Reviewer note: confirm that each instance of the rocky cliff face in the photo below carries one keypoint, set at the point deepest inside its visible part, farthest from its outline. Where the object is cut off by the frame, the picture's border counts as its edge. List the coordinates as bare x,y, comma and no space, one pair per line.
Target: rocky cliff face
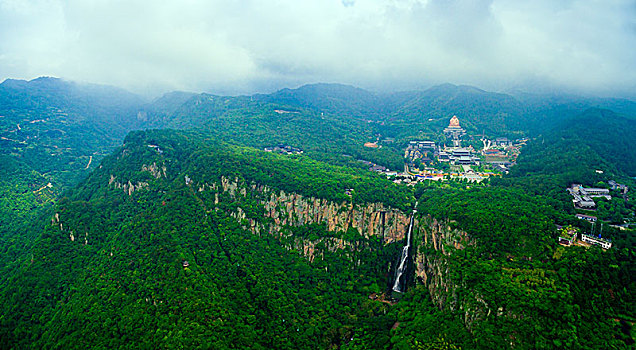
370,219
431,266
128,187
277,211
155,170
435,241
264,210
291,209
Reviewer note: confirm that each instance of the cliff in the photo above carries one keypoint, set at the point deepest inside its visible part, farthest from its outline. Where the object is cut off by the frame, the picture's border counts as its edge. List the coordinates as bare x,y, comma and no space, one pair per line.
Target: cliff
283,209
262,209
435,242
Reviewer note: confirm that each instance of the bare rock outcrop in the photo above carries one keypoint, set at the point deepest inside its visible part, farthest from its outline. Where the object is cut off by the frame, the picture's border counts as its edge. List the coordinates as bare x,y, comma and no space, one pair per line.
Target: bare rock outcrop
155,170
435,242
292,209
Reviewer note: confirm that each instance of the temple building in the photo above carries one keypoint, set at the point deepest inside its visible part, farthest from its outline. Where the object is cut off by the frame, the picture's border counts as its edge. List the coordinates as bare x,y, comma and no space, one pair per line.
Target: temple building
463,156
454,131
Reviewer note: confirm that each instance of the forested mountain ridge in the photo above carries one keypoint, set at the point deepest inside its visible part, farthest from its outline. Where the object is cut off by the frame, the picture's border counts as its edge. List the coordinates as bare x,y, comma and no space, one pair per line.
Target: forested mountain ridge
158,113
52,134
325,120
196,153
328,120
330,98
609,134
246,121
545,112
591,147
49,115
187,198
183,230
96,103
400,109
199,238
481,111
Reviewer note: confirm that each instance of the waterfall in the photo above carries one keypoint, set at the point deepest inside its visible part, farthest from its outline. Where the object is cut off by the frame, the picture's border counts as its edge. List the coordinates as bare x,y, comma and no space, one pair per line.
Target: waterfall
404,257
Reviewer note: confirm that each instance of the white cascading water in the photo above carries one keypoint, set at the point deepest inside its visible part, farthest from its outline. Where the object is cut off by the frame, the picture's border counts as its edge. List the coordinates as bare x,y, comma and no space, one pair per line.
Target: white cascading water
405,255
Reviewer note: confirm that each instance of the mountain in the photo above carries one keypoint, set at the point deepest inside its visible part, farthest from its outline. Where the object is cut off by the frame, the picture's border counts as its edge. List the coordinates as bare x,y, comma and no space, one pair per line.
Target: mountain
254,122
610,135
180,239
545,112
187,243
82,102
52,113
475,106
52,134
591,148
479,110
596,139
329,98
158,112
192,235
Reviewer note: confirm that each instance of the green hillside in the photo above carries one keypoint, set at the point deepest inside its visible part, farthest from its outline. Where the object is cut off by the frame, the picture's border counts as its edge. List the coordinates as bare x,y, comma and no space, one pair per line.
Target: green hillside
123,279
591,148
52,134
109,269
192,235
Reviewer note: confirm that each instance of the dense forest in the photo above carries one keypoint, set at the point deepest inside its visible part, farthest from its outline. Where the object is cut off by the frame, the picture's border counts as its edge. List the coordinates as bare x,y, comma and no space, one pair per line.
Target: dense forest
189,235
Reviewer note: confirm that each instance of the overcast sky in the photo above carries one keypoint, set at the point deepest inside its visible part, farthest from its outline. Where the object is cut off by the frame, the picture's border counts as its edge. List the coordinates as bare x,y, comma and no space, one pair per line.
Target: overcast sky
259,46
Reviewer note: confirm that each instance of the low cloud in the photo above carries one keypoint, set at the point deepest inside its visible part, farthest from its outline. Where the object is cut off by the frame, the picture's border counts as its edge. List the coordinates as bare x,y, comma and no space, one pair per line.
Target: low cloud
247,46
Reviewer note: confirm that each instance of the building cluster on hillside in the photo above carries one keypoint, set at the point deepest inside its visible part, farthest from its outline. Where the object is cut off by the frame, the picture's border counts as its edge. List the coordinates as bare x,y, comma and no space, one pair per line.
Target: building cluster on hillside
503,142
570,235
618,187
284,149
420,150
426,150
425,158
459,156
378,168
502,166
501,152
423,145
409,180
427,153
494,152
583,196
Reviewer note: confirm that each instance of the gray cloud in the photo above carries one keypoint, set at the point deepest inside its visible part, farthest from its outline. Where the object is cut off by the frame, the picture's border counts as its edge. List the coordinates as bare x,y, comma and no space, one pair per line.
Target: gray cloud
244,46
348,3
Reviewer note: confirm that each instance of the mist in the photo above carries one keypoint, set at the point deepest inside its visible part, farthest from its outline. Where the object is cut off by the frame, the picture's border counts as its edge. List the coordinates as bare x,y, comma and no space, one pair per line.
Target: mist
234,47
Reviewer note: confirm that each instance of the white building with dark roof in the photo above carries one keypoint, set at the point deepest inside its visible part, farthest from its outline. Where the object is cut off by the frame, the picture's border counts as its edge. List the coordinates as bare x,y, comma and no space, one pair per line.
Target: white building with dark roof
586,217
583,196
599,241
